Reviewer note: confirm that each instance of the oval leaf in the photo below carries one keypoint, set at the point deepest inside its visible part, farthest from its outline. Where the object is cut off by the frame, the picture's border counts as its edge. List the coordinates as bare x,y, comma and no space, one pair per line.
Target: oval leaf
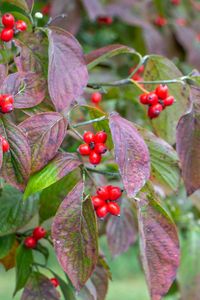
19,3
131,154
74,233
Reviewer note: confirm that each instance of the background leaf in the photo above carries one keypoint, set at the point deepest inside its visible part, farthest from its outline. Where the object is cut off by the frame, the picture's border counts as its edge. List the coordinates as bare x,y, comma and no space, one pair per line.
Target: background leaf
93,8
6,243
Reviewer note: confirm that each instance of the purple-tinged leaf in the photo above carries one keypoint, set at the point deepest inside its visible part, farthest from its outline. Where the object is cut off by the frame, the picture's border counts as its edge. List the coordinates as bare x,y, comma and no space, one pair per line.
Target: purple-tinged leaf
3,73
32,84
159,245
68,74
121,232
45,133
88,292
188,143
93,8
131,154
17,162
74,233
30,4
39,287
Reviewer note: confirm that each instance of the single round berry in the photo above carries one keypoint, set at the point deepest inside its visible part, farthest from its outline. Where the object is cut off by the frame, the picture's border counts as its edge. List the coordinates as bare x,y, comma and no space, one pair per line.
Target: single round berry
100,137
143,99
113,208
154,111
21,25
169,101
100,148
102,211
88,137
181,22
114,193
84,149
7,108
7,99
46,9
137,77
152,98
162,91
7,35
176,2
30,242
94,158
103,192
107,20
141,69
96,98
5,145
39,233
97,202
160,21
8,20
55,282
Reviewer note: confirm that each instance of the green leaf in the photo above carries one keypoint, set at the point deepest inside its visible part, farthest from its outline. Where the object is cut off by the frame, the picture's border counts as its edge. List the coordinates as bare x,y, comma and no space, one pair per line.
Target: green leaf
66,288
14,213
19,3
6,243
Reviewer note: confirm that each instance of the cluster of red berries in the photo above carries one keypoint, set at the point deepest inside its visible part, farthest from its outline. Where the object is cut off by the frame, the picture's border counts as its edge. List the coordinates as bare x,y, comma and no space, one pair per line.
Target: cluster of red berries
55,282
94,146
6,103
38,234
104,201
105,20
138,75
96,98
11,27
4,143
157,100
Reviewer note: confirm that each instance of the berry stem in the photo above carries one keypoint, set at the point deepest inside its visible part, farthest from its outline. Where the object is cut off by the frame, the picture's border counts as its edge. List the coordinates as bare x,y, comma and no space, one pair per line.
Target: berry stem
89,122
91,178
178,80
138,84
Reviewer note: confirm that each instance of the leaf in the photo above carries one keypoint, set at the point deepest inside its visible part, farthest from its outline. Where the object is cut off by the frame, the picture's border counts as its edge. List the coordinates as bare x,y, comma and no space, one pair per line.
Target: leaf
3,73
159,245
66,58
74,233
131,154
39,287
121,232
6,243
17,162
24,260
14,213
45,132
8,261
88,292
19,3
34,89
59,167
66,288
30,4
93,8
188,143
97,56
160,68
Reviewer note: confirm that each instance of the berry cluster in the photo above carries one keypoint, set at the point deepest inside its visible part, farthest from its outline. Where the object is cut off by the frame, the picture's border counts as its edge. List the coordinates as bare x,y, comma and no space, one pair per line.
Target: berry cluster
157,100
38,234
96,98
138,75
105,20
94,146
55,282
11,27
6,103
5,145
104,201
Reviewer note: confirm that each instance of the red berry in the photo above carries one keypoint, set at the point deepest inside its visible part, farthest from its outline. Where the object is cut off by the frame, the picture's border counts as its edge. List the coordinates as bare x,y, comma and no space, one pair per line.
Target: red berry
96,98
162,91
7,34
46,9
113,208
176,2
169,101
7,99
152,98
84,149
30,242
102,211
105,20
7,108
39,233
1,99
154,111
100,148
100,137
55,282
8,20
143,99
103,192
21,25
5,145
181,22
97,201
94,158
160,21
137,77
88,137
114,193
141,69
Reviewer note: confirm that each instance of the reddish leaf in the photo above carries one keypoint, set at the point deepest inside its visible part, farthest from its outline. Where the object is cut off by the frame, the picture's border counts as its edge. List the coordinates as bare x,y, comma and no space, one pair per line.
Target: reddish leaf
74,233
68,74
188,143
93,8
159,246
3,73
45,133
100,278
131,154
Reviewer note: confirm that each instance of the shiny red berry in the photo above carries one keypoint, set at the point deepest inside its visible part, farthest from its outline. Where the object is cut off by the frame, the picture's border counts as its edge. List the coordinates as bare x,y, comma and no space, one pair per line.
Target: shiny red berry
107,20
7,34
1,99
100,148
97,201
113,208
96,98
94,158
39,233
30,242
162,91
88,137
100,137
152,98
137,77
46,9
7,99
160,21
169,101
21,25
154,111
143,99
8,20
84,149
7,108
55,282
103,192
114,193
5,145
102,211
141,69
